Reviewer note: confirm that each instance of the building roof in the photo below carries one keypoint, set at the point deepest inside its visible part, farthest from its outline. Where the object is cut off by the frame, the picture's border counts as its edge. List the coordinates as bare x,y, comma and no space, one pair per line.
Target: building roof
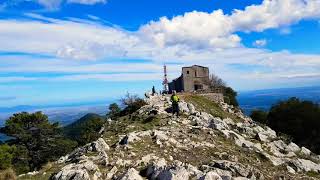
194,66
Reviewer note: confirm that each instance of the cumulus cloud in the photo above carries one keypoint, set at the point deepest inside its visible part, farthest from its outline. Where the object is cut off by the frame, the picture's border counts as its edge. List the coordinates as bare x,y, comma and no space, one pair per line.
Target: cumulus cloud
260,43
274,14
208,38
87,2
198,30
191,32
217,30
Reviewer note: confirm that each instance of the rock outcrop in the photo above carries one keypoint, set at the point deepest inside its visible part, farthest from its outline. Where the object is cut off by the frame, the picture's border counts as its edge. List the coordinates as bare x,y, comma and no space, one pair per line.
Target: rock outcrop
197,145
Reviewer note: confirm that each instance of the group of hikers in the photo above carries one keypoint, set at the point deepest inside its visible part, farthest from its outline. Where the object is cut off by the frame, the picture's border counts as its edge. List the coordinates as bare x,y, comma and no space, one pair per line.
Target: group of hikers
174,100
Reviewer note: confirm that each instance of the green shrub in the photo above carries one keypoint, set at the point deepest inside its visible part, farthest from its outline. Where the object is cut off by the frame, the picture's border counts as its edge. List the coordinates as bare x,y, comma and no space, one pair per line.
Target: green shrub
21,160
299,119
132,103
36,139
230,96
259,116
6,156
114,111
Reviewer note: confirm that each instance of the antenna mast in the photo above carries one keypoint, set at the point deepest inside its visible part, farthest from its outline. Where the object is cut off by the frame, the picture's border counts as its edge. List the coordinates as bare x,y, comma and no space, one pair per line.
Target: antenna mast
165,80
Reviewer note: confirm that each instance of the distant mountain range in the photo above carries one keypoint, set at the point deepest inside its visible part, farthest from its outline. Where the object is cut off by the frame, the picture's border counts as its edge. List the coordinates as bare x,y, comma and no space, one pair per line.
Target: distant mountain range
64,115
248,100
264,99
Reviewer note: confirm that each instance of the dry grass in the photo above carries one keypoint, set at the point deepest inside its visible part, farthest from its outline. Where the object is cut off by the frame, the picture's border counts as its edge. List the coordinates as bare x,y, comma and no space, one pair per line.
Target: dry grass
8,174
204,104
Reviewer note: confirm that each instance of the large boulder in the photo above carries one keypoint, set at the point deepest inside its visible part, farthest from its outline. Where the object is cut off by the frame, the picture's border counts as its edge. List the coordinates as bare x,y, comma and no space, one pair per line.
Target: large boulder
305,165
262,137
174,173
292,147
218,124
236,168
191,108
131,174
305,151
155,168
100,145
211,176
278,148
79,171
133,136
183,107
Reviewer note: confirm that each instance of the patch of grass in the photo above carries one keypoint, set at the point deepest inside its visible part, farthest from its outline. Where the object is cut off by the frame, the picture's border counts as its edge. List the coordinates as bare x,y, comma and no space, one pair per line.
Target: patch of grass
45,173
313,174
204,104
8,174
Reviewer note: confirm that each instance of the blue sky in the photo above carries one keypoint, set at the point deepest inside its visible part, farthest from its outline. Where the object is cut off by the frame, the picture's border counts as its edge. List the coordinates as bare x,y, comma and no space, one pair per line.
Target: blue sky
73,51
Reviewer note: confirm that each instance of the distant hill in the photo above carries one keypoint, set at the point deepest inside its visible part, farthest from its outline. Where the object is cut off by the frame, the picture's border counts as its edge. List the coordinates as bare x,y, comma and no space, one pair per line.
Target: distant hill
264,99
63,115
90,123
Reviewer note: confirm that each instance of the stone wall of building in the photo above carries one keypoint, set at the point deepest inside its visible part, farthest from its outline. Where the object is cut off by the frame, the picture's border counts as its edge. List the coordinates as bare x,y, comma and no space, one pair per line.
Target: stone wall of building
194,75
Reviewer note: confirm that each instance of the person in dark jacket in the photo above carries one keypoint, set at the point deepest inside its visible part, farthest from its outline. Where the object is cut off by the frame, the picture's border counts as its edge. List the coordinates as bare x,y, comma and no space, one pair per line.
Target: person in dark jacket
175,103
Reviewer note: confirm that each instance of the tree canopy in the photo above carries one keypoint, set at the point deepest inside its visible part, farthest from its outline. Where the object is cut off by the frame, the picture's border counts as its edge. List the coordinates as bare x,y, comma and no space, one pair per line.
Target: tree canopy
296,118
85,129
37,140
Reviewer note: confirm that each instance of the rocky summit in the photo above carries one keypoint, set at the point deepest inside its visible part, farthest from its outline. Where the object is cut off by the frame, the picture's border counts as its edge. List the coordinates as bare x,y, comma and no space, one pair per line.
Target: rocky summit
209,141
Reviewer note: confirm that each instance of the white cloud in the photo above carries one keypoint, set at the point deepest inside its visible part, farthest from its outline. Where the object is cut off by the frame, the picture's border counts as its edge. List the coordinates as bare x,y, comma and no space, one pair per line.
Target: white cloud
217,30
191,32
260,43
274,14
198,30
195,37
50,4
87,2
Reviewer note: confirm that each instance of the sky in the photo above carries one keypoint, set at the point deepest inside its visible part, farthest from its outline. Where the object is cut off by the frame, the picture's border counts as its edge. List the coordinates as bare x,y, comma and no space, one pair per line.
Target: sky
74,51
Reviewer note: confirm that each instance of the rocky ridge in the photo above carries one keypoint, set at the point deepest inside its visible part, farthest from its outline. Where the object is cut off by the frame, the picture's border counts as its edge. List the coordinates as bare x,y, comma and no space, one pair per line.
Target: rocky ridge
197,145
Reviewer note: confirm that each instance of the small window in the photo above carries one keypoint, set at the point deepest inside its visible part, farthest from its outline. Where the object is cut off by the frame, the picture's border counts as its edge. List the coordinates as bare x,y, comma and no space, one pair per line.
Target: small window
187,72
195,73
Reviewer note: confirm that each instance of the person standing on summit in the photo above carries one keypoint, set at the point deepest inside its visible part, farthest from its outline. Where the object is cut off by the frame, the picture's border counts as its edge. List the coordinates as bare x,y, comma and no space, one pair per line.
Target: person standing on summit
175,103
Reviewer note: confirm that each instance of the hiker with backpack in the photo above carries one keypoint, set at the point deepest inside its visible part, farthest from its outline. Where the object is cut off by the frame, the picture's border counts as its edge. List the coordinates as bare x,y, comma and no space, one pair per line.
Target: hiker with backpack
175,103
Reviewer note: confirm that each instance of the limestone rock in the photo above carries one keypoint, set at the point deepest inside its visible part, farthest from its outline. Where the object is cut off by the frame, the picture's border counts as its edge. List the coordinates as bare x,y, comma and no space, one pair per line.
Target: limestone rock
133,136
191,108
218,124
174,173
234,167
292,147
305,165
160,135
155,168
183,107
262,137
76,171
131,174
229,121
100,145
112,172
291,170
211,176
305,151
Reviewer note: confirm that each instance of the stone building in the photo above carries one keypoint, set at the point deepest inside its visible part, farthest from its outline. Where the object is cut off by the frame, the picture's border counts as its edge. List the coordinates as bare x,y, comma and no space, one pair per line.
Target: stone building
193,78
